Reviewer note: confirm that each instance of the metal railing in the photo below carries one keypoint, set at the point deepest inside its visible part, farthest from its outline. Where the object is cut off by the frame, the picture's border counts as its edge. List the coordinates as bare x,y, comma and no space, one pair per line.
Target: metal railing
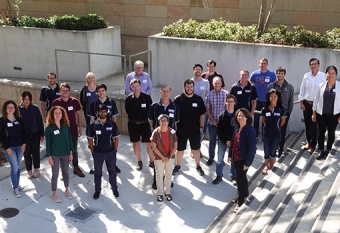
88,57
149,61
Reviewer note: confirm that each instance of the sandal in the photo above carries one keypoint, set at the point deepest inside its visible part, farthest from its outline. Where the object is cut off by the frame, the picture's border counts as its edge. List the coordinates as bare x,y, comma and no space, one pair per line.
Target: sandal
68,194
160,198
36,173
234,200
168,197
56,198
237,208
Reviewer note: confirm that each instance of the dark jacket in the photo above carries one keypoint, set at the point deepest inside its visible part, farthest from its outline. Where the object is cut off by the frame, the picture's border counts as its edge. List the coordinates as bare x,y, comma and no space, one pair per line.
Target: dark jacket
32,118
12,135
225,127
247,144
82,98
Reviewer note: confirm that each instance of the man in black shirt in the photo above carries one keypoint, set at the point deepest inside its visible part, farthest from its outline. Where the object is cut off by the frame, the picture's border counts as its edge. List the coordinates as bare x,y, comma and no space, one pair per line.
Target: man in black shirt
137,106
48,94
190,124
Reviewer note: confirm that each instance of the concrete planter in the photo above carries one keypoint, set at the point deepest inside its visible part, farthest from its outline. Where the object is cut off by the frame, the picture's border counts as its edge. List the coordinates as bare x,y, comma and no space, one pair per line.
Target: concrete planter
29,52
173,59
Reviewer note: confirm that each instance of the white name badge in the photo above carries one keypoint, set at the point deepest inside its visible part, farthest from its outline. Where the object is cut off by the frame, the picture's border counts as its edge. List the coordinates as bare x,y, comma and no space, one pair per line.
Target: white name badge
144,81
108,128
202,88
248,91
171,115
268,114
98,132
109,107
9,124
171,110
267,80
194,105
239,92
58,93
173,131
56,132
70,108
143,105
16,122
333,90
276,114
88,94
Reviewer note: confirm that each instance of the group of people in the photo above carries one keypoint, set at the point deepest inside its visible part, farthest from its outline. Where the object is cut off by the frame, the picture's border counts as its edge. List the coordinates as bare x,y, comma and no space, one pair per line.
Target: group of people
165,126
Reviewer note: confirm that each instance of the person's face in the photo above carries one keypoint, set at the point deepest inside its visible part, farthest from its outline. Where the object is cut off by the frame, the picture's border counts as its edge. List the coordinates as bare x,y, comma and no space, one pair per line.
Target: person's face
211,68
189,89
65,92
263,64
217,84
163,122
102,114
197,71
241,118
57,115
314,66
331,75
280,75
101,92
26,101
230,102
244,76
52,80
165,93
139,70
10,109
273,98
90,79
135,87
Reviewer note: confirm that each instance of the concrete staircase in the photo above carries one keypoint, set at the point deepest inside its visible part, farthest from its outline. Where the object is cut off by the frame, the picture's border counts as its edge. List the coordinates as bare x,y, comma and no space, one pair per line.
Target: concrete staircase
298,195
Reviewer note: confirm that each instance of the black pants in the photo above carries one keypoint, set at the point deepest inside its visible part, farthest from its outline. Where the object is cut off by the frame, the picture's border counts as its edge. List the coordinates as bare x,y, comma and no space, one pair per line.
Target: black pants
75,145
283,134
32,152
242,182
311,126
326,122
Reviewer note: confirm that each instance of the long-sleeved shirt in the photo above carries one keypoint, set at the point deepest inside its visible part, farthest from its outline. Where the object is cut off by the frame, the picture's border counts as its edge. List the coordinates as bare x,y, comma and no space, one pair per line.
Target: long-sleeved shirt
58,140
145,81
287,93
12,133
310,84
32,118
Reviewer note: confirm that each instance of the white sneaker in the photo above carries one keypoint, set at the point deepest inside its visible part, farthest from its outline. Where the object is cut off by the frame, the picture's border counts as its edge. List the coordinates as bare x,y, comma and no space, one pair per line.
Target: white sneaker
16,193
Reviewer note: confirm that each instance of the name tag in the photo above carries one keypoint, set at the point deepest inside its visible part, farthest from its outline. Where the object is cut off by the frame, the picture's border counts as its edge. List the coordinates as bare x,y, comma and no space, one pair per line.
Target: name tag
202,88
194,105
70,108
267,80
171,110
144,81
239,92
58,93
171,115
16,122
248,91
108,128
9,124
56,132
276,114
173,131
98,132
109,107
143,105
333,90
88,94
268,114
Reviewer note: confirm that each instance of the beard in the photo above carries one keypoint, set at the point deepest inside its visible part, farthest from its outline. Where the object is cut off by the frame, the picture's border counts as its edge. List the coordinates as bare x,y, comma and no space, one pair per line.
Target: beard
102,117
188,93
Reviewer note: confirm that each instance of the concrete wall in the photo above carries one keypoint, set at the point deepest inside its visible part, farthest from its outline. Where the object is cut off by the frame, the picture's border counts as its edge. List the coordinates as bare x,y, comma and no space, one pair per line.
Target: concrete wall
32,49
175,57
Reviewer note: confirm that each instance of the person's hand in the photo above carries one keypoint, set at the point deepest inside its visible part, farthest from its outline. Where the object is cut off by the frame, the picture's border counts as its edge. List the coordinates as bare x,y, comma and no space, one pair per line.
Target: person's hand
313,117
80,132
50,161
228,160
9,152
70,157
228,144
302,107
165,159
23,148
245,168
42,139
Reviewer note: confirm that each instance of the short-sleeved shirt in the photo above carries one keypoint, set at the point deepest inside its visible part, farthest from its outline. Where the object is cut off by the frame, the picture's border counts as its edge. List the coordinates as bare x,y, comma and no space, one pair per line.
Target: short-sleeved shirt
71,107
244,95
272,128
211,77
191,108
202,87
12,133
110,104
145,81
157,108
58,140
138,108
48,94
216,103
162,145
103,135
261,82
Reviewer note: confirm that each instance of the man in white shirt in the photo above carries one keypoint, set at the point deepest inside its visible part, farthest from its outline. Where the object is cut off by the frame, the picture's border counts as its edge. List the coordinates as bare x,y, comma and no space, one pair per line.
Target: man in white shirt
309,86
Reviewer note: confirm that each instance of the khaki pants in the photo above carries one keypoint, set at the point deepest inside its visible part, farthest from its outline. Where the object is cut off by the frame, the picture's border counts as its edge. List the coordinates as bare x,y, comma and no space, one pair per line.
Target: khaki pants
164,170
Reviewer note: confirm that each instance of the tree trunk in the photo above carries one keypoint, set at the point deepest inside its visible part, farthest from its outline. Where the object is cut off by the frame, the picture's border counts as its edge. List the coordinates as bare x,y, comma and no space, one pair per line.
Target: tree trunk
270,16
260,24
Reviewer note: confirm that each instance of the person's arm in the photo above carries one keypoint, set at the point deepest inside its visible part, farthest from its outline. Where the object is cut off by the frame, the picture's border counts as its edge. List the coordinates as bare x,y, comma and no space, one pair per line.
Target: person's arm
253,107
128,90
291,99
283,121
251,147
173,150
23,134
207,108
149,89
201,122
115,143
90,142
80,131
302,92
43,110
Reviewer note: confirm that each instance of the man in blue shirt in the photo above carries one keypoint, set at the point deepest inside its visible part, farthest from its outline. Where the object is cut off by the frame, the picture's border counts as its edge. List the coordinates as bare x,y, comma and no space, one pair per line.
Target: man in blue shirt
143,77
260,79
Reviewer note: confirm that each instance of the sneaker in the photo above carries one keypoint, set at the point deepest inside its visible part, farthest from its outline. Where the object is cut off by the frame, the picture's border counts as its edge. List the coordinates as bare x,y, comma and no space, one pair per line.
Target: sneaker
56,198
29,174
217,180
115,193
36,173
199,170
154,185
96,195
21,188
176,170
139,166
92,171
16,193
117,169
68,194
152,164
265,171
209,162
78,172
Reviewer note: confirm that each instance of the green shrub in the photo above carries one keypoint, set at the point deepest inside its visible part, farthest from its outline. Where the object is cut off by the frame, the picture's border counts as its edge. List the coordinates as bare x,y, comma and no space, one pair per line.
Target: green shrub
333,37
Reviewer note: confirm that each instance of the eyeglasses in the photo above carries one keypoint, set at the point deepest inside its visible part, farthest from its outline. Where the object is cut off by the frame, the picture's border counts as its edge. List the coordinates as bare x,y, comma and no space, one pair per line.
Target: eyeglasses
313,64
10,107
230,101
164,120
65,91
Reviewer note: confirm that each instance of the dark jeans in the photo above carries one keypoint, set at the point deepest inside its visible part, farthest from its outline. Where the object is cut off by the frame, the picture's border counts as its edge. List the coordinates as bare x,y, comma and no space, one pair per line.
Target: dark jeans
242,182
327,122
75,145
32,151
283,134
259,106
110,160
270,146
311,127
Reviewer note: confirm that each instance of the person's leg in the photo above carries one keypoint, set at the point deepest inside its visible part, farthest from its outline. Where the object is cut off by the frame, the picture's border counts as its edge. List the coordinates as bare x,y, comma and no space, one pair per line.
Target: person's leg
168,176
98,159
220,162
267,148
322,130
212,143
150,152
182,139
204,127
28,152
160,167
13,161
195,145
55,173
240,174
64,170
332,122
35,142
18,155
137,150
110,160
283,136
145,133
75,153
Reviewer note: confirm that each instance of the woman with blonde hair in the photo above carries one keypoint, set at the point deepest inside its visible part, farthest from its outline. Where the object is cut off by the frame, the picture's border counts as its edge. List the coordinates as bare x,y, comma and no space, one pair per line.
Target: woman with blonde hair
88,94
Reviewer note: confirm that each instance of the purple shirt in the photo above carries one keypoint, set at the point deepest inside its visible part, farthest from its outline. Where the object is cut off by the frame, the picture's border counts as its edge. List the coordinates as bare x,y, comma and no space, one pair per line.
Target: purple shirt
145,80
216,103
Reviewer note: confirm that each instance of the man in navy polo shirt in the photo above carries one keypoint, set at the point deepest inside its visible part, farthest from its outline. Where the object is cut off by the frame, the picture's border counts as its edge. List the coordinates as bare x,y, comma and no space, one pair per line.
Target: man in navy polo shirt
48,94
103,136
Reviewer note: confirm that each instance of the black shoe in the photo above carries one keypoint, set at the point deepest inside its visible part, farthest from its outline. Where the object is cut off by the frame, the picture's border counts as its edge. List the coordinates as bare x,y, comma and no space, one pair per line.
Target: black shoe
210,161
322,155
279,154
152,164
115,193
96,195
217,180
199,170
172,184
117,169
176,170
139,165
154,186
92,171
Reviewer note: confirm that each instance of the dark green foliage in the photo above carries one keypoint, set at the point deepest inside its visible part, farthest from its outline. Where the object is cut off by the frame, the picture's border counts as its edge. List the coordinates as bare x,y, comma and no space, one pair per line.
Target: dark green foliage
226,31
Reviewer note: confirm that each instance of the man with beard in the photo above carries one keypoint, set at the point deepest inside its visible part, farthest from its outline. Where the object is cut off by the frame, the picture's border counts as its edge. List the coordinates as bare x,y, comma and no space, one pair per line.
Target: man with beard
191,120
48,94
211,74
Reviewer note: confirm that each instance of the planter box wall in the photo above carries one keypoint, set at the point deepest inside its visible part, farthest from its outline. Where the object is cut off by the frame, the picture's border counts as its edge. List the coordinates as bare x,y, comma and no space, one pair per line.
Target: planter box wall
173,59
32,49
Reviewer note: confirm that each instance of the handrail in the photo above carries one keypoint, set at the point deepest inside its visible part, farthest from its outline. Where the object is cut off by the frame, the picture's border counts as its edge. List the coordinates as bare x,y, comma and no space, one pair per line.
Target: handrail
149,61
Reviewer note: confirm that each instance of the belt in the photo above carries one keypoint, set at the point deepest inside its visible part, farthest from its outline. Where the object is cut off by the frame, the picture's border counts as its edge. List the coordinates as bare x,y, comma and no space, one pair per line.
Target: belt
309,102
138,122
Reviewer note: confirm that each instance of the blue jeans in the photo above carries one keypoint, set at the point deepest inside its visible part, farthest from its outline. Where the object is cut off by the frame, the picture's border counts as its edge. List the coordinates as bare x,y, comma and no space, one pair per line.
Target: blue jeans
14,161
212,137
222,148
270,146
204,127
